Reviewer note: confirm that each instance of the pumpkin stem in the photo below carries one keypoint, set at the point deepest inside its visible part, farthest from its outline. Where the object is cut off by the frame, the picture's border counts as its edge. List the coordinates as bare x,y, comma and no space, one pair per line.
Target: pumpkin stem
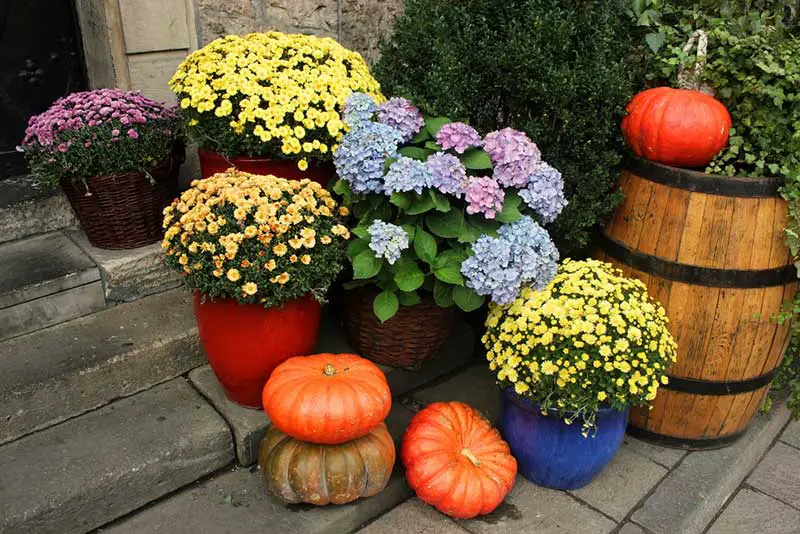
329,370
471,457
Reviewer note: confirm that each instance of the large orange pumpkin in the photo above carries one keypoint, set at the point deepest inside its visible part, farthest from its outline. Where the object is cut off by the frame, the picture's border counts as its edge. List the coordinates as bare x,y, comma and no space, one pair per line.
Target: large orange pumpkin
298,471
456,461
677,127
327,398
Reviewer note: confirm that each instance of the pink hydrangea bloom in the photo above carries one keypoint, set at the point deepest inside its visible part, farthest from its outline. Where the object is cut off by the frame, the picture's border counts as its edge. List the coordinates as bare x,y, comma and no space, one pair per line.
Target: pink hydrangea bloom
484,195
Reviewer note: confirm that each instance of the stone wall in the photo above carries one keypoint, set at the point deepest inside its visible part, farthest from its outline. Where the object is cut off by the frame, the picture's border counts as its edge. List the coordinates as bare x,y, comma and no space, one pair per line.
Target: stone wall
357,24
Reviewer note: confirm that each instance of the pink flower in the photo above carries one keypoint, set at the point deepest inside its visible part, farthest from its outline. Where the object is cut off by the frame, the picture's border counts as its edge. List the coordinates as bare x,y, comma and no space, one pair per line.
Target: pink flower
132,134
484,195
115,132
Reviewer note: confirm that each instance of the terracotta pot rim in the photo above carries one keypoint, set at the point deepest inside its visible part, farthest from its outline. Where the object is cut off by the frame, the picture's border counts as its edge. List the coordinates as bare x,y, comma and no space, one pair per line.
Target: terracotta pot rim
202,298
205,152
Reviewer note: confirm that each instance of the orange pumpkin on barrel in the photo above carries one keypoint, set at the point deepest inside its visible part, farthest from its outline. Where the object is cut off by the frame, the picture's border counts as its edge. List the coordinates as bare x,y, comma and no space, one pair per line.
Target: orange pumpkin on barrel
677,127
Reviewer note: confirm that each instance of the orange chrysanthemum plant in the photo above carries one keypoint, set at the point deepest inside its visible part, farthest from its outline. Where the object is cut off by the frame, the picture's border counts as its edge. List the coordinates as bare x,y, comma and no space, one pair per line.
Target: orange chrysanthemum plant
257,239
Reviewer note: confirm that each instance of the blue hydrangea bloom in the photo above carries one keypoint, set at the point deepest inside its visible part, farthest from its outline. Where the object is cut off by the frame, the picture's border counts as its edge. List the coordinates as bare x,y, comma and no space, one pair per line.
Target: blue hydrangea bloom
387,240
361,156
448,174
521,254
358,109
545,192
402,115
406,174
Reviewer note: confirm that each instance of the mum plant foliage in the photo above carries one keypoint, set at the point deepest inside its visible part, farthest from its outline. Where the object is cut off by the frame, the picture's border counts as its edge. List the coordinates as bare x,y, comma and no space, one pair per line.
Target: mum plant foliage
591,338
442,210
256,239
559,70
270,94
97,133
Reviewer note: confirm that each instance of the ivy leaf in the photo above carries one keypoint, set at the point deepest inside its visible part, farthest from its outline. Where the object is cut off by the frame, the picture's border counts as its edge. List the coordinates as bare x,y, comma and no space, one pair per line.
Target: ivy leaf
449,274
440,201
655,41
409,299
476,159
443,294
425,246
366,265
356,247
448,225
420,204
385,305
434,124
401,199
466,299
415,152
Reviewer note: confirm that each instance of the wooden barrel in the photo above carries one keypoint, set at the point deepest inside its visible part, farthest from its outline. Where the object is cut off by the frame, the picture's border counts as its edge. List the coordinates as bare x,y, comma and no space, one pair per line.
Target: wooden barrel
712,250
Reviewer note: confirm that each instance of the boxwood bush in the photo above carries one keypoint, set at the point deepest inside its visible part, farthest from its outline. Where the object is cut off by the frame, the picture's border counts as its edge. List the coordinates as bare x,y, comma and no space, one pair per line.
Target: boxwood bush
560,70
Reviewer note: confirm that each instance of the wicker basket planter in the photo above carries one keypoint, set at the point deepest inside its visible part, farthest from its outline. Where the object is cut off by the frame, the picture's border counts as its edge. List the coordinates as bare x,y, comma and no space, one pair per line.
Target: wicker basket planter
405,340
124,211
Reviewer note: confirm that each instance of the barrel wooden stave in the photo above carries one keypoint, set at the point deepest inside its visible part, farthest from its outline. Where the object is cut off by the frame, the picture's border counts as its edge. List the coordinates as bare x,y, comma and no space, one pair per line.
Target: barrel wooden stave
724,334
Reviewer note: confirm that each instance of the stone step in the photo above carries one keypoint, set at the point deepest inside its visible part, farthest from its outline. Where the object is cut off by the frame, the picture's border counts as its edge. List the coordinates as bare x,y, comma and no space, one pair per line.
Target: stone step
61,371
47,279
129,274
83,473
237,502
27,208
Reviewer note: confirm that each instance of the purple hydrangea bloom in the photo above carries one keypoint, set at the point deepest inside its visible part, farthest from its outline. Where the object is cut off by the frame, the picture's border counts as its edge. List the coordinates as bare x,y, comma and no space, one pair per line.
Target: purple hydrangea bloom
448,174
387,240
358,109
458,136
362,153
406,174
514,155
401,115
484,195
545,192
522,254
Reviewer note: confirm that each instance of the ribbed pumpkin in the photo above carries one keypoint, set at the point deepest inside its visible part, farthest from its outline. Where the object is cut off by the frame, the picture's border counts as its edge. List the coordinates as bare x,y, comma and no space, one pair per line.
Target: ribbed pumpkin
677,127
456,461
327,398
302,472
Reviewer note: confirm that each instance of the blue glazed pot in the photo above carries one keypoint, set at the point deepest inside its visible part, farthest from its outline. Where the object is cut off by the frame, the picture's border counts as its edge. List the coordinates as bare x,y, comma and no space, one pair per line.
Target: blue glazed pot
553,454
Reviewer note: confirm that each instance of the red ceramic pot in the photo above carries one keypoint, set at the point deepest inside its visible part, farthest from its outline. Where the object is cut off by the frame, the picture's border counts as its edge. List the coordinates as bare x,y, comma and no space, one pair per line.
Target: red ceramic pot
245,342
212,163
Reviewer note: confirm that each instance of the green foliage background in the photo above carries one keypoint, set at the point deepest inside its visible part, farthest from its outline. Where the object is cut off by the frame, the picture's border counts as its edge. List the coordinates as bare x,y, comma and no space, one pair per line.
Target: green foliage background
560,70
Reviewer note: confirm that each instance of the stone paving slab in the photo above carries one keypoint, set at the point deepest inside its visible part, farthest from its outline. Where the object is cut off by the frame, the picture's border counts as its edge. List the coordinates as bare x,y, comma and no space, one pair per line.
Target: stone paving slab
76,476
474,386
413,517
249,425
792,434
237,503
28,208
751,511
622,484
778,475
129,274
631,528
68,369
530,508
687,500
661,455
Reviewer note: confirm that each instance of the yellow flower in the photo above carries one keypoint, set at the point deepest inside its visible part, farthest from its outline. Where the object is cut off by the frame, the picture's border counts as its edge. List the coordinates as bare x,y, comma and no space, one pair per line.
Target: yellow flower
665,380
270,265
250,231
549,368
325,240
305,259
280,249
302,164
250,288
233,275
293,258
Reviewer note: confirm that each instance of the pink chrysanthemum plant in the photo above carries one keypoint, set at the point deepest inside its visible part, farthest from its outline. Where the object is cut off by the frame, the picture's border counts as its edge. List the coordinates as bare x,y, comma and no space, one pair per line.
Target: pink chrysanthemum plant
97,133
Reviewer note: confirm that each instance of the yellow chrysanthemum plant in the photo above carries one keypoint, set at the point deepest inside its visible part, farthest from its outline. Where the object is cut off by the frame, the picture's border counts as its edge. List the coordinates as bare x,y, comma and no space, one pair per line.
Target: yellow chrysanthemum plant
256,239
591,339
270,94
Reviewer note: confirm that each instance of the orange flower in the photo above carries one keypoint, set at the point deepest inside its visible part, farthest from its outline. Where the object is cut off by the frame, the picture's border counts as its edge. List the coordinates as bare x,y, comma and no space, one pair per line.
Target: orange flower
293,258
306,259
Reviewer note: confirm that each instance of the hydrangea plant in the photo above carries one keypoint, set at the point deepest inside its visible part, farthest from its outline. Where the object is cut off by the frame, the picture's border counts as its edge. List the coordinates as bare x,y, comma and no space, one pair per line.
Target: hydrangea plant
441,210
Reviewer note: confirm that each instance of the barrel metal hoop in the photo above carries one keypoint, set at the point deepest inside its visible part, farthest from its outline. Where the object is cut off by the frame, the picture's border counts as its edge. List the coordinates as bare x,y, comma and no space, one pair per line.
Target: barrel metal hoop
695,275
692,444
713,184
712,387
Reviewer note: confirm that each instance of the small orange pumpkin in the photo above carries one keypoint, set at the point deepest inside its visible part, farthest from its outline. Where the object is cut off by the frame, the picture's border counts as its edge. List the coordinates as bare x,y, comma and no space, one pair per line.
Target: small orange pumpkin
296,471
327,398
456,461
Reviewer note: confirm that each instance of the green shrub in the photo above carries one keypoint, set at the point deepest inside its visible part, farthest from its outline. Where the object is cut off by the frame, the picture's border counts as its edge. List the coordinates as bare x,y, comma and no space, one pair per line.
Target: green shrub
559,70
